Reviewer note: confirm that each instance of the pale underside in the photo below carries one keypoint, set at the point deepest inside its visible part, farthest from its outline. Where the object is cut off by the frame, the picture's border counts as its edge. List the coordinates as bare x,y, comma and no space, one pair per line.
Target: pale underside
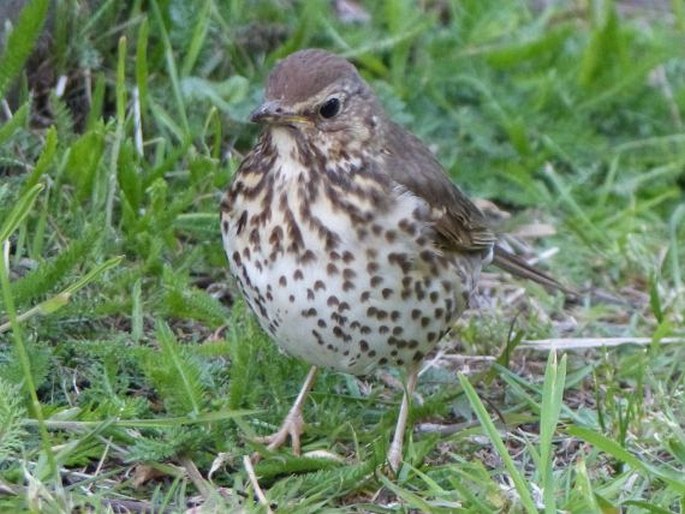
382,295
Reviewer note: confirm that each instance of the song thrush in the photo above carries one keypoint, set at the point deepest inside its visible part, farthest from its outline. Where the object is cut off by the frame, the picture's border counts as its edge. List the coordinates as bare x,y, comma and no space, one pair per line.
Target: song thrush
345,235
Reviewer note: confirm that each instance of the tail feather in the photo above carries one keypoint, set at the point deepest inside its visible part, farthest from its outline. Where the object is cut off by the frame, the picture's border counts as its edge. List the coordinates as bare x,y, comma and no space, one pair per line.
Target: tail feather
515,265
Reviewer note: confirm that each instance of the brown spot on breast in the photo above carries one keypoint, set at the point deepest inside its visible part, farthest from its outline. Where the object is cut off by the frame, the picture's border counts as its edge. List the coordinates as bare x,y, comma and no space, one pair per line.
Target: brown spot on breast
226,203
340,320
298,275
372,267
347,285
341,334
375,281
254,237
241,223
276,236
332,301
319,285
407,226
386,292
332,240
318,337
349,274
332,269
307,256
427,256
282,281
308,313
401,260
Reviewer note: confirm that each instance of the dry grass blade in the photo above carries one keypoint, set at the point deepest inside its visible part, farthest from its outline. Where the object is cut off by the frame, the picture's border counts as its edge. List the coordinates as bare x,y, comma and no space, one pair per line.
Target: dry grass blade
583,343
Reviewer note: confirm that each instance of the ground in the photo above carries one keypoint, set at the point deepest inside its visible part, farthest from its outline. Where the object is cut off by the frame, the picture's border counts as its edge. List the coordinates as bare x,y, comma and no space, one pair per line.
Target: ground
133,377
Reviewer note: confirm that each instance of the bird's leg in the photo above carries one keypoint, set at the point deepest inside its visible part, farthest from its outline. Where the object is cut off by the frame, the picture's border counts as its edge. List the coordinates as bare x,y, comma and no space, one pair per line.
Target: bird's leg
395,452
293,424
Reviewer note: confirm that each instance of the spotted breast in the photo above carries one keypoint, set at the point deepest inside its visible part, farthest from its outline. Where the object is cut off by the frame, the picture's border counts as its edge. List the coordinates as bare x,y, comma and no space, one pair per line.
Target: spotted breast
338,262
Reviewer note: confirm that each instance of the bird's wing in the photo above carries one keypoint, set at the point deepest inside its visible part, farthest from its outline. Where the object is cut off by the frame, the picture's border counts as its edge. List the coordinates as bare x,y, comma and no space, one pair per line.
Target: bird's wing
460,225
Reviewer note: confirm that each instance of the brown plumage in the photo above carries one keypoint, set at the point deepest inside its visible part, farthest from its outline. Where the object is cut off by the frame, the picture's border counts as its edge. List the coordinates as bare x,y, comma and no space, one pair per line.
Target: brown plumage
348,240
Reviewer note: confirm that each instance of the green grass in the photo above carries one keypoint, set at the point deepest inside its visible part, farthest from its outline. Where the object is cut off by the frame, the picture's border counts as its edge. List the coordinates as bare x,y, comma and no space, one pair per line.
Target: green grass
130,370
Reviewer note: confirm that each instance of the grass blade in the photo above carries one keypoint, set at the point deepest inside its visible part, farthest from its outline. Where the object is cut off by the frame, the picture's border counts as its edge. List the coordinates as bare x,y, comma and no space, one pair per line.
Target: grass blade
552,394
21,40
493,434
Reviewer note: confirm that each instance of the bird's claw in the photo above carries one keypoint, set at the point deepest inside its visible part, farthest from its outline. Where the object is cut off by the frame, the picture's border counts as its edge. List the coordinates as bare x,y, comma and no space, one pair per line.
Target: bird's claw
292,427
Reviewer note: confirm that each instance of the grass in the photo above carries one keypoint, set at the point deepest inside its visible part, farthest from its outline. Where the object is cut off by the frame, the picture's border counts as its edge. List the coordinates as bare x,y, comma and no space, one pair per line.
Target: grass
131,374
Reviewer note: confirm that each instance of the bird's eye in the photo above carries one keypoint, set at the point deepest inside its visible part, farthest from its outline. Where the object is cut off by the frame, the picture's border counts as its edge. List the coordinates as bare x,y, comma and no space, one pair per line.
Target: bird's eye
329,108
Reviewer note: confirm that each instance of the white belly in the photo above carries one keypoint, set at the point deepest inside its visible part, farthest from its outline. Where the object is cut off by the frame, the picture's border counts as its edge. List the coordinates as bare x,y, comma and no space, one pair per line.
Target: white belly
366,303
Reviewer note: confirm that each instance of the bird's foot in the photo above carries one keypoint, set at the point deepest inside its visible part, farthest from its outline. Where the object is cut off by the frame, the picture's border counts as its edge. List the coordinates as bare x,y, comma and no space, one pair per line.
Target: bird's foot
292,427
293,424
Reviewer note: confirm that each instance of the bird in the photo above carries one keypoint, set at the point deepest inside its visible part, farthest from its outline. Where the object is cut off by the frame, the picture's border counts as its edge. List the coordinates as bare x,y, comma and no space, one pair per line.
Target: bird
345,235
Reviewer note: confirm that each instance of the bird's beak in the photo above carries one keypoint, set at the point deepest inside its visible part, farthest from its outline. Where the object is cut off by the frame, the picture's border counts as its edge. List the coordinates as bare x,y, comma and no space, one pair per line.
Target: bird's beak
273,111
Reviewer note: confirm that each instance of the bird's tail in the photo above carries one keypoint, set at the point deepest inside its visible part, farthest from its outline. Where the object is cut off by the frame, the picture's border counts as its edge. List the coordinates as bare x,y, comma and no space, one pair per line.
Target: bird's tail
515,265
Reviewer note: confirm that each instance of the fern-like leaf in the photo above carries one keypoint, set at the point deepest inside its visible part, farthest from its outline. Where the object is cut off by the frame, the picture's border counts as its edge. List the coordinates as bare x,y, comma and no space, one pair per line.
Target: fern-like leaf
175,373
12,433
51,273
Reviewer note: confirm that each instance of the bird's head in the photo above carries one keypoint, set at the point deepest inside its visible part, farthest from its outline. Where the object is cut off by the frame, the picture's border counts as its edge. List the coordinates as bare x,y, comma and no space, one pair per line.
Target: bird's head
319,93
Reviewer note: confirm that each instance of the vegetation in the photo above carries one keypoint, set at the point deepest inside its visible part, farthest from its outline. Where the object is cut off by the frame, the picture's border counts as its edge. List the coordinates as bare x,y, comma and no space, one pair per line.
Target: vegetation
132,376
